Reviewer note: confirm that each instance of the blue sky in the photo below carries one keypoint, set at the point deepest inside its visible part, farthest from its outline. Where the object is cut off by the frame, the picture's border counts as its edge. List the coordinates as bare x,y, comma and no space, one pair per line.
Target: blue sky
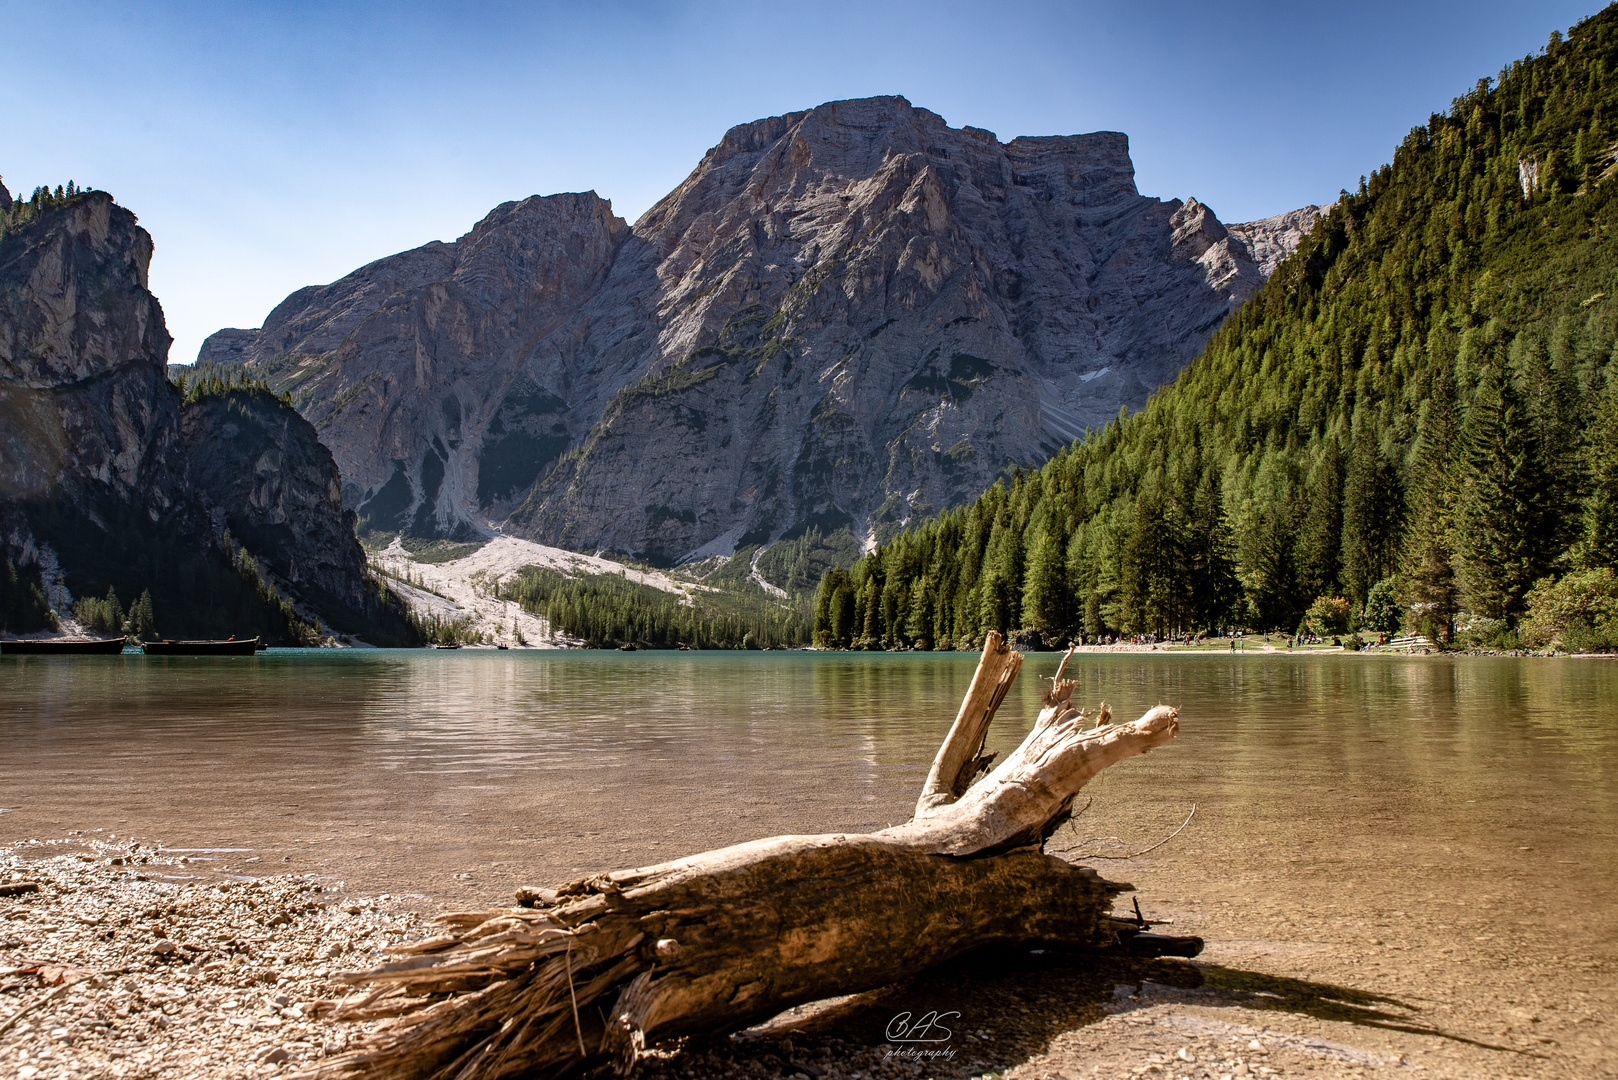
274,145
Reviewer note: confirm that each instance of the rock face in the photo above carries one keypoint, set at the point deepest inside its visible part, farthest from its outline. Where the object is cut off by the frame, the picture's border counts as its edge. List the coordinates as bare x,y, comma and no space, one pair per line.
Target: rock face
105,465
84,402
226,346
416,369
263,473
1272,239
843,317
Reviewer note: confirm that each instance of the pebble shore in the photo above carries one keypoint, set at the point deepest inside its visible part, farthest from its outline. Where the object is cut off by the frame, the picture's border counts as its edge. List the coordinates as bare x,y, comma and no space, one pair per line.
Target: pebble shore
121,959
116,960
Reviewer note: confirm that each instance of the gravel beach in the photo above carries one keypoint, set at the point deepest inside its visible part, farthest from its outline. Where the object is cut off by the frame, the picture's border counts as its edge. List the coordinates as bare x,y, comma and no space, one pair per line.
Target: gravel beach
120,959
117,961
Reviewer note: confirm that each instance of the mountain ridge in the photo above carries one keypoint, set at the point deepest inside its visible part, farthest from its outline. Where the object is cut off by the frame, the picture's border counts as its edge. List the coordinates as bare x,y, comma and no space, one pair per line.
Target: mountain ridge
843,317
1413,425
220,501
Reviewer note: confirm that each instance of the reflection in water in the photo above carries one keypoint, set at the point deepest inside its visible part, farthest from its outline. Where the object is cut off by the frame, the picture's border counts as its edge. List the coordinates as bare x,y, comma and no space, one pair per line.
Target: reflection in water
1433,823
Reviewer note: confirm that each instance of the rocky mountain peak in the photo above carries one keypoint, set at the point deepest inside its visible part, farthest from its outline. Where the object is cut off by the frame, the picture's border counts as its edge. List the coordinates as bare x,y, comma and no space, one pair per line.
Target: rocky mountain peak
82,352
843,316
110,474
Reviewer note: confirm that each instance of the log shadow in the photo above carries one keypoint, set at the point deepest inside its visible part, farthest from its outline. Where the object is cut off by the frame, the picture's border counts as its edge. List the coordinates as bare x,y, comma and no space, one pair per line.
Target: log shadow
996,1008
988,1011
1328,1001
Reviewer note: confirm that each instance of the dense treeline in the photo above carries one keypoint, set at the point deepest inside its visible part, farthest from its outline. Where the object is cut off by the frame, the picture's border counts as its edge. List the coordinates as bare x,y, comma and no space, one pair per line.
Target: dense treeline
1419,404
194,593
205,379
23,607
606,610
107,616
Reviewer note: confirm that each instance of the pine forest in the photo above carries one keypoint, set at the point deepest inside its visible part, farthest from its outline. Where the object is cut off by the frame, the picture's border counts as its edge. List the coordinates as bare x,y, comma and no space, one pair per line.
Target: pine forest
1412,427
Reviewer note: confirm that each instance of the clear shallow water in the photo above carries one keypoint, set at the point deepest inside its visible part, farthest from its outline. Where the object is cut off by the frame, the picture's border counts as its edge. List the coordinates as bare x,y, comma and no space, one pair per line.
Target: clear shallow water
1444,827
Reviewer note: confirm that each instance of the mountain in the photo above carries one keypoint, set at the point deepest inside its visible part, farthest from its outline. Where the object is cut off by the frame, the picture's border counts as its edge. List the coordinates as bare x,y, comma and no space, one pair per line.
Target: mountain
219,501
1413,424
842,319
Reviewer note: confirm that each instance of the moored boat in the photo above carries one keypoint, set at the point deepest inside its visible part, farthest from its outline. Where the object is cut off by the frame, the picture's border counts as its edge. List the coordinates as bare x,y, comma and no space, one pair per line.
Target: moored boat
228,647
64,646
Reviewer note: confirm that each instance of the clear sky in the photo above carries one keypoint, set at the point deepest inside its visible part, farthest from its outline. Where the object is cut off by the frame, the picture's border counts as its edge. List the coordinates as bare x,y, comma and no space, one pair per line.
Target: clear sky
268,146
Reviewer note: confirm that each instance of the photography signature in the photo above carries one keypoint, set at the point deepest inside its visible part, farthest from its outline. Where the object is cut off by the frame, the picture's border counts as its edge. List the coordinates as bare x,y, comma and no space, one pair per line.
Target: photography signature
928,1028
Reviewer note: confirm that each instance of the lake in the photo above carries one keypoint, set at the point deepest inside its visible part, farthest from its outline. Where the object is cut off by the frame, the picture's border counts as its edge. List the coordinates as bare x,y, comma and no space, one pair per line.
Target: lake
1438,828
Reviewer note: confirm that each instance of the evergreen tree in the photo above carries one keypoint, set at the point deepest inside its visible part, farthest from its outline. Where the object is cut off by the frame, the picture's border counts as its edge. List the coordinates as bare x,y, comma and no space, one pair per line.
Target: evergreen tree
919,624
1506,536
1320,538
1373,507
1598,546
1047,608
1209,559
142,622
1153,573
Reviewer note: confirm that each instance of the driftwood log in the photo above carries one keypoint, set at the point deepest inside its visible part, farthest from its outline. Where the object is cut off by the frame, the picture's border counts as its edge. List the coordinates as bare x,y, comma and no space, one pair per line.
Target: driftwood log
590,972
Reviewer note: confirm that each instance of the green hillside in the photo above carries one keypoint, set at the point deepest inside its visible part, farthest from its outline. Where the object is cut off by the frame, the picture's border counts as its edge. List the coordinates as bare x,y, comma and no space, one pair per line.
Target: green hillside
1417,409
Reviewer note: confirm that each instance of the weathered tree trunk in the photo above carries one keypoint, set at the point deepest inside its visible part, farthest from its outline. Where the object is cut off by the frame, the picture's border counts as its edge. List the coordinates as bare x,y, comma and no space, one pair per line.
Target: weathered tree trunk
715,941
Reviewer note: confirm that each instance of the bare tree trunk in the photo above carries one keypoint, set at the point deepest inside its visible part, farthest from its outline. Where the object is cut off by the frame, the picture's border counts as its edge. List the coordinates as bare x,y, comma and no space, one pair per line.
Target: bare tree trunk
718,940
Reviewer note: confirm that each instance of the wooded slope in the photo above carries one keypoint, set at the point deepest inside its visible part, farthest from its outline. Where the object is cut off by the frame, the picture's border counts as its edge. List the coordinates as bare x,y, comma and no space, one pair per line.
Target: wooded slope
1416,410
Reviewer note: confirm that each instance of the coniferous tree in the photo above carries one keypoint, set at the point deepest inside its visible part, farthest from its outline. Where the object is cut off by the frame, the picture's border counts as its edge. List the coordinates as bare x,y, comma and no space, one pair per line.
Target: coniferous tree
1506,537
1152,568
1320,538
1598,546
1384,340
1209,560
1372,527
920,620
1047,609
142,620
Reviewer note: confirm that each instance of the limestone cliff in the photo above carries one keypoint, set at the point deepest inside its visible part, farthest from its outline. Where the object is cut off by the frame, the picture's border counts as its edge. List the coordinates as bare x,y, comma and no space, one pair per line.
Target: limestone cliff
111,478
262,472
1272,239
843,316
84,403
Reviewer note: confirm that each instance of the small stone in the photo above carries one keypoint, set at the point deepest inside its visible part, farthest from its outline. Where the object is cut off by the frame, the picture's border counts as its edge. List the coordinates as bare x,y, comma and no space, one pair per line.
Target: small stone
275,1055
163,947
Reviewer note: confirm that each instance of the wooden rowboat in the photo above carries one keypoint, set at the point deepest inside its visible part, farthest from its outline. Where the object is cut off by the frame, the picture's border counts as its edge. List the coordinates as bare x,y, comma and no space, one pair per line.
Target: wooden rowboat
64,646
228,647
